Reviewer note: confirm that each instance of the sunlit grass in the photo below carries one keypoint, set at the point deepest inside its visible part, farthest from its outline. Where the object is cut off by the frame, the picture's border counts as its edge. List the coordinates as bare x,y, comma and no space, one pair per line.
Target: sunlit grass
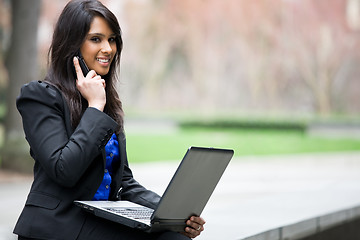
172,145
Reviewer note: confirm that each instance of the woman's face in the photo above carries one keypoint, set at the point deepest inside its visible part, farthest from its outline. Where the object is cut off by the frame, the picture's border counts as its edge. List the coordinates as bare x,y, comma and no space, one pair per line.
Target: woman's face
99,46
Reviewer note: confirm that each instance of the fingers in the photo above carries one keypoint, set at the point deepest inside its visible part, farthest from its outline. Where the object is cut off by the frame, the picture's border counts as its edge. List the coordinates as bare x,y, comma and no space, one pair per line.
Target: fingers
91,75
79,73
91,80
195,226
91,87
195,222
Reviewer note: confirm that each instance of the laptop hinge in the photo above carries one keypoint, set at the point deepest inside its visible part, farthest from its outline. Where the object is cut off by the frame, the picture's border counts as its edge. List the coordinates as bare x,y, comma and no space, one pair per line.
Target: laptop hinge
176,225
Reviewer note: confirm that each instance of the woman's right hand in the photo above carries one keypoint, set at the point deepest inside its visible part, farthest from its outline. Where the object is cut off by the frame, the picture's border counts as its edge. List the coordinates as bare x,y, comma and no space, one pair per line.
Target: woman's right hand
91,87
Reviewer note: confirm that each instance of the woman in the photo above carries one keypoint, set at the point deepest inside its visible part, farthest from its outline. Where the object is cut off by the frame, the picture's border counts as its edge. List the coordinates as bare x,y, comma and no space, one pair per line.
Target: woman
74,126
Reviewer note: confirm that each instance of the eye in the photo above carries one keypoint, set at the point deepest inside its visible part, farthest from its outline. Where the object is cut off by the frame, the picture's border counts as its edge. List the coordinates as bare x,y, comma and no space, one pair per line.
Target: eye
112,39
95,39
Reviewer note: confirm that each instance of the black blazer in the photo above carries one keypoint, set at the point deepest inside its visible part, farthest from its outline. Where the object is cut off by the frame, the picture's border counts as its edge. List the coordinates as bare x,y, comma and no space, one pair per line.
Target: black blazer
69,164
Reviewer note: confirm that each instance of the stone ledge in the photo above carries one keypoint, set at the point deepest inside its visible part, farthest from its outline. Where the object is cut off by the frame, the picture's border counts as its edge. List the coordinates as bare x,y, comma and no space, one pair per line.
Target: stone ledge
309,227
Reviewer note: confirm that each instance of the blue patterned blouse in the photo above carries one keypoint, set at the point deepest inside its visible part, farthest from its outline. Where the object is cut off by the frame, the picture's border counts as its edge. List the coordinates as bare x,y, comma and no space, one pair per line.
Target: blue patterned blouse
112,156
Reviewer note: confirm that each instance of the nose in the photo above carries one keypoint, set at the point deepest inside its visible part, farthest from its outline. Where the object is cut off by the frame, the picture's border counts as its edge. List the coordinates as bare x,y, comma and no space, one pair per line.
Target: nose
106,47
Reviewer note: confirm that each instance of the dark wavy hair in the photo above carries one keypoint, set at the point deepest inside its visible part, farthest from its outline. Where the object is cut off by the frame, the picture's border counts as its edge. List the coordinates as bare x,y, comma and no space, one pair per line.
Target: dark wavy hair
69,34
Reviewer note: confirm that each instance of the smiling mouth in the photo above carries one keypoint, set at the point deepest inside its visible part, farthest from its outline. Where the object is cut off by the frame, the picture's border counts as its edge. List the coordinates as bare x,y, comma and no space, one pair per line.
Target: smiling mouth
103,60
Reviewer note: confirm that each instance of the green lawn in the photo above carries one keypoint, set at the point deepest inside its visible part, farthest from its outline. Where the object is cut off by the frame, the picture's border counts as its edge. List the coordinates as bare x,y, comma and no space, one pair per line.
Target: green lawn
172,146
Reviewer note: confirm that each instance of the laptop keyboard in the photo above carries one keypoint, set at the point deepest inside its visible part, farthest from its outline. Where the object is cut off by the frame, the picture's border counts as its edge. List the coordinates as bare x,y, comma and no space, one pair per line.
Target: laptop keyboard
135,213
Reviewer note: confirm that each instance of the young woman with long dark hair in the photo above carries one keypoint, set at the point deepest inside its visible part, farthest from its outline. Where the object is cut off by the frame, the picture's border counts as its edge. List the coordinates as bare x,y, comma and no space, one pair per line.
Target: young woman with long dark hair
74,126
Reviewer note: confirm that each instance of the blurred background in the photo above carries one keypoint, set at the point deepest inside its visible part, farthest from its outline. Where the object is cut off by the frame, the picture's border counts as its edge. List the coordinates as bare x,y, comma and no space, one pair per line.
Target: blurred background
263,77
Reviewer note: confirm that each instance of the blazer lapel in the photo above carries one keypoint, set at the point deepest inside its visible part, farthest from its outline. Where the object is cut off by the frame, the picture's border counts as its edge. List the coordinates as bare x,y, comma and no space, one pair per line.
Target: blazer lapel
117,178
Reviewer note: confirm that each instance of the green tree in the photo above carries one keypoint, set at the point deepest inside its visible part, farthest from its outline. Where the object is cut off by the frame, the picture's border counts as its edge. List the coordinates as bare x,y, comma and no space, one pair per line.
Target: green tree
21,64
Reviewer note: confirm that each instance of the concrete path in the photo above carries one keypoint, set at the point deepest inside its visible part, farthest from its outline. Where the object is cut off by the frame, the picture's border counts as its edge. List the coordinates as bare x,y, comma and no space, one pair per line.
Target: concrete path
255,194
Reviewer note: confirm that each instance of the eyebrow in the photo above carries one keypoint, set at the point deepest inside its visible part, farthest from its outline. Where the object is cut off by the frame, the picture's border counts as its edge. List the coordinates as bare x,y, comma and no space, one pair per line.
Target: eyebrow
101,34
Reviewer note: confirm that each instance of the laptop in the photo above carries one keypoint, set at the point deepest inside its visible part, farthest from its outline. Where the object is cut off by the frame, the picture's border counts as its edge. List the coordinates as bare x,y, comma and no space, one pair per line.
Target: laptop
186,195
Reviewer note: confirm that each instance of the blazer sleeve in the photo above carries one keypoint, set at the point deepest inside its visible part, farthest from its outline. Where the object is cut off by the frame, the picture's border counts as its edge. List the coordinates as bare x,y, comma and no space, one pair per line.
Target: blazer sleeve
64,158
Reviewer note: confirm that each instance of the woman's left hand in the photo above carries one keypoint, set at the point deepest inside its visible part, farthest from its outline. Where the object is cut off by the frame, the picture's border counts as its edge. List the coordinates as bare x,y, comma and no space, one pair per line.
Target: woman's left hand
195,225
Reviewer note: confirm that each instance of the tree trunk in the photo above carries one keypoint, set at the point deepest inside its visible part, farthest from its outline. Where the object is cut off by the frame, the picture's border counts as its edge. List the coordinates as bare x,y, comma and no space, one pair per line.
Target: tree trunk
21,63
